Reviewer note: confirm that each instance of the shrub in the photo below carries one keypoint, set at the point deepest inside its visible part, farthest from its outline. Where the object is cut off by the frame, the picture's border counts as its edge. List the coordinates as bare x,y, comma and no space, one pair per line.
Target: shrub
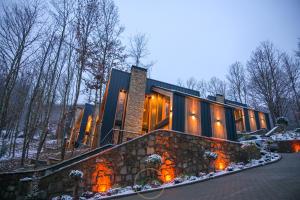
283,121
248,152
210,155
154,159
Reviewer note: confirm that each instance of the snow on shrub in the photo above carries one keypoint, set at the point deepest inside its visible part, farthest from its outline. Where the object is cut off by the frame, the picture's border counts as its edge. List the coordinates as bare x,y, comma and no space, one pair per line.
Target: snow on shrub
137,188
154,159
63,197
248,152
178,180
210,155
77,174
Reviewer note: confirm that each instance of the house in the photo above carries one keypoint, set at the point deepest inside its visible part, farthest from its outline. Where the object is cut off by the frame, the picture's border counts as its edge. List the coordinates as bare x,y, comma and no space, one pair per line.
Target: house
135,105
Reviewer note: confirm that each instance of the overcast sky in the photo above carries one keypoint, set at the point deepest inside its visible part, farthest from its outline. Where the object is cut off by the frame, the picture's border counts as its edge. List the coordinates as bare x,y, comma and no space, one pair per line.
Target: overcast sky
202,38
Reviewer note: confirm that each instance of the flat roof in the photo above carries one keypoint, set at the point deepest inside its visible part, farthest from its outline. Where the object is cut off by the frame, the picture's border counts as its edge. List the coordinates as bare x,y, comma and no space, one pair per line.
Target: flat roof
206,100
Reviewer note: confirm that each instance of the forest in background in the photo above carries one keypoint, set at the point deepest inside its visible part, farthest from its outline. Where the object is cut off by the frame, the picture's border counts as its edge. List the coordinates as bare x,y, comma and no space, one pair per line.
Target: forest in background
52,53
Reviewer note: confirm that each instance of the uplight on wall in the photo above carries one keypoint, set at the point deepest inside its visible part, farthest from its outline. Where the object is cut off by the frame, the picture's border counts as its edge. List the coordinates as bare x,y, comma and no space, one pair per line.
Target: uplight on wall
193,115
218,122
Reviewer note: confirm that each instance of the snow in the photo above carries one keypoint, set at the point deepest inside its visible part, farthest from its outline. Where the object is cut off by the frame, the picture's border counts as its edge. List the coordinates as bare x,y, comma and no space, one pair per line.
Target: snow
289,135
76,174
210,155
26,179
154,159
63,197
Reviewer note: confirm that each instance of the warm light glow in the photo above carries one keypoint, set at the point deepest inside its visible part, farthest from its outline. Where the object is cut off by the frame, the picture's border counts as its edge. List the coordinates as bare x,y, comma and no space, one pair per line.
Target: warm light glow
218,123
167,169
102,178
220,166
89,124
168,178
296,147
221,162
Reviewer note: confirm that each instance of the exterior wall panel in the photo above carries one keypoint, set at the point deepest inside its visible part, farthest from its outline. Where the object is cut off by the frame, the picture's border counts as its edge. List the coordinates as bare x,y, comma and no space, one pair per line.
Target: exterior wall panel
230,123
205,119
247,122
267,117
257,120
178,112
118,80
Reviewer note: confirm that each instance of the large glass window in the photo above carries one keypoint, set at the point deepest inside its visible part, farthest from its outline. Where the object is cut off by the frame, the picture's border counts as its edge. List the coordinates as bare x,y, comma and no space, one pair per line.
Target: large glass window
156,112
218,121
239,120
252,120
262,120
192,113
120,111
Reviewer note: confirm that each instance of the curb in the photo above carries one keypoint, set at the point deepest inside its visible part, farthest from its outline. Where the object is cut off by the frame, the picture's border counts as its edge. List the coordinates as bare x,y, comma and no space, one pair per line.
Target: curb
194,182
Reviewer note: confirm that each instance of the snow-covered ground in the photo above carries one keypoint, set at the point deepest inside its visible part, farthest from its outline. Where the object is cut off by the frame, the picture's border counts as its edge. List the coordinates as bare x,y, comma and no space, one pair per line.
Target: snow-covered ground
289,135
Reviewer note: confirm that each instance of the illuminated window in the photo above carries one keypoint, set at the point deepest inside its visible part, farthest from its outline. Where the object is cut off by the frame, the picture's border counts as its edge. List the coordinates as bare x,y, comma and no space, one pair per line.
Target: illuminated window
192,115
120,111
156,112
252,120
239,120
218,121
262,120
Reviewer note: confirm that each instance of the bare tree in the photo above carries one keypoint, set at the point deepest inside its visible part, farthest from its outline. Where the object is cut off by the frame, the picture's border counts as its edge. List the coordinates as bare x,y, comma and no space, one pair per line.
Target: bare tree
216,86
191,83
180,83
267,79
19,32
298,51
291,68
138,50
237,82
17,37
202,88
85,17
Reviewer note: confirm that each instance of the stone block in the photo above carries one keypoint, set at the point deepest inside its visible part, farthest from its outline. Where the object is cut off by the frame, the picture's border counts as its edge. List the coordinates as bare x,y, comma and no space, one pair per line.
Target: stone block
123,170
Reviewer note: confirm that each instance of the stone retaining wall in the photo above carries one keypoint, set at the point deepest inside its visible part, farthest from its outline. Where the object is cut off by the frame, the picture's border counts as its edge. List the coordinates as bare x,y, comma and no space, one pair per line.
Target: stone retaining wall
288,146
121,164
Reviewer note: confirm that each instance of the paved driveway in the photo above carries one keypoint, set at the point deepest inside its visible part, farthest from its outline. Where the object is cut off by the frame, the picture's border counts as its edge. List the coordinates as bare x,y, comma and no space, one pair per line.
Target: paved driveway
280,181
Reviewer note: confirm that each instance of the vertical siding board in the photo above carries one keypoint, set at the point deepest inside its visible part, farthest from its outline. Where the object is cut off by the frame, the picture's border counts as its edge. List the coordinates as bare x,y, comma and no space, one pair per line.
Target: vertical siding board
247,122
257,120
230,123
178,118
119,80
267,117
206,129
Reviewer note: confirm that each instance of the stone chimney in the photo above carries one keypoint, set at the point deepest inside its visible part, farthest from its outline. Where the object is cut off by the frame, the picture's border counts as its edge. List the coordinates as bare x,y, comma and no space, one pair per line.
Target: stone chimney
220,98
135,102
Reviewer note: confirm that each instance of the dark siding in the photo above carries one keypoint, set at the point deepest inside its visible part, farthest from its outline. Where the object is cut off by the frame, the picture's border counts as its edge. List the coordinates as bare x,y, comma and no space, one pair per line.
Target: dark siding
247,122
151,83
178,112
257,120
230,123
268,121
118,80
205,119
88,110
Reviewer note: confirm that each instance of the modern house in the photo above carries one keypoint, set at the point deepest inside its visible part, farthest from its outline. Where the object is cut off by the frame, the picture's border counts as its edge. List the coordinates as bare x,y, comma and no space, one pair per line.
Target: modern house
136,105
